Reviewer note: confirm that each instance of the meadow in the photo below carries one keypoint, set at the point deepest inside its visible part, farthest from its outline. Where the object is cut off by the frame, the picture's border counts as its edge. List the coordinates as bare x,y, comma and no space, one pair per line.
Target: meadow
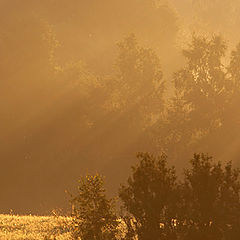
14,227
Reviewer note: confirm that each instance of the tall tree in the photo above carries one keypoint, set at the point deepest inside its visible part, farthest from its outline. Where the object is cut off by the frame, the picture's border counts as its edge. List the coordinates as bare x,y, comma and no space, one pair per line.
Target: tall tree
211,194
138,86
150,196
201,97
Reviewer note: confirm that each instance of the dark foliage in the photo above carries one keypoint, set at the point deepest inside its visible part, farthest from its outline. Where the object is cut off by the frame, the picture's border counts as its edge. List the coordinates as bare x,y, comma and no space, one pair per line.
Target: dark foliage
205,205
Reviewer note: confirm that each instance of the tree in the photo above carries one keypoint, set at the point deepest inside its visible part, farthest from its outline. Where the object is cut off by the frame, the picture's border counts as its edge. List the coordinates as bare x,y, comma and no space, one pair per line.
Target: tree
202,84
93,214
137,89
150,196
196,111
211,200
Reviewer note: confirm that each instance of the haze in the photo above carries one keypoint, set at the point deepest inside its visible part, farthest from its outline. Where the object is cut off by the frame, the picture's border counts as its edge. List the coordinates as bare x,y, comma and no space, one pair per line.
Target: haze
86,84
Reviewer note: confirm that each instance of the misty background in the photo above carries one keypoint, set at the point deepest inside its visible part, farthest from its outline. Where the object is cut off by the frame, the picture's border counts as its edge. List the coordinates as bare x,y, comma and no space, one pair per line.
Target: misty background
86,84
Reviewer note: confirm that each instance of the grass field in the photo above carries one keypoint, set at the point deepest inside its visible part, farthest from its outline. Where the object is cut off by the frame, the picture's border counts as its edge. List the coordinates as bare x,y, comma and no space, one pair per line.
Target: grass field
15,227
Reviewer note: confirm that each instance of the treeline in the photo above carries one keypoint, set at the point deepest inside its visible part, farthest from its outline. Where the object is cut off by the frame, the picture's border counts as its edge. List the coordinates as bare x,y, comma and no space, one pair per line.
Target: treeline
110,117
156,204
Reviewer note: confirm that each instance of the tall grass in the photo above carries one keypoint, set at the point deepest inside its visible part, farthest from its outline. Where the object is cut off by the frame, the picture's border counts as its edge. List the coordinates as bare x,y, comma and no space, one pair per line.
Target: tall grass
15,227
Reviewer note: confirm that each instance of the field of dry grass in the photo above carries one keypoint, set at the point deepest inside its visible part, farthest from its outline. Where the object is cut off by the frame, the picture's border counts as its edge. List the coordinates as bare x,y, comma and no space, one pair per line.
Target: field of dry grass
13,227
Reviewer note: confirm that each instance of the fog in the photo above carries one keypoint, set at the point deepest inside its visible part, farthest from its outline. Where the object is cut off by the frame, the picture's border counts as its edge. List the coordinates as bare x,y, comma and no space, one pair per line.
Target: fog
86,84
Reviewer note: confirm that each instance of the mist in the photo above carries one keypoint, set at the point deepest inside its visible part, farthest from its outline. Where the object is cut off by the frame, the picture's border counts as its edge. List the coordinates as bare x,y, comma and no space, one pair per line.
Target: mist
85,85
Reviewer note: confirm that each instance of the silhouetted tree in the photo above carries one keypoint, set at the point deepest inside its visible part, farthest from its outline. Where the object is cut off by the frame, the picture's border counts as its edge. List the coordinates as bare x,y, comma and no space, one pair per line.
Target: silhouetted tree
150,196
210,199
205,205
